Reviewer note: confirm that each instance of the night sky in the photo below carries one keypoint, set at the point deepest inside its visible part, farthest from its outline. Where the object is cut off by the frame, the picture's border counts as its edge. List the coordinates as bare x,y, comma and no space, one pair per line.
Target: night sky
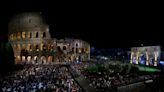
104,26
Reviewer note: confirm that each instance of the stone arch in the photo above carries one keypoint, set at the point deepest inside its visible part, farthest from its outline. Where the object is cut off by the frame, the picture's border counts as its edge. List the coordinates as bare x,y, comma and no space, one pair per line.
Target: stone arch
29,35
76,45
35,59
15,36
23,47
44,47
37,47
29,58
50,59
23,52
18,58
69,59
23,35
51,47
72,49
37,35
23,58
19,35
76,50
43,59
80,58
44,34
30,47
64,48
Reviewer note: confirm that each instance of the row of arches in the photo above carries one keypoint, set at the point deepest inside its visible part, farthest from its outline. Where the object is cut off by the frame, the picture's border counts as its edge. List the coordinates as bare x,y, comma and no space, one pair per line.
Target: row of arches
24,35
47,59
74,50
35,59
61,48
79,50
44,47
36,47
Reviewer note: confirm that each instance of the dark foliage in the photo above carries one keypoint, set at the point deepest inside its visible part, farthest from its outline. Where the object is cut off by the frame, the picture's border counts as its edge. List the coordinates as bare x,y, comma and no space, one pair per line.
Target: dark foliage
6,57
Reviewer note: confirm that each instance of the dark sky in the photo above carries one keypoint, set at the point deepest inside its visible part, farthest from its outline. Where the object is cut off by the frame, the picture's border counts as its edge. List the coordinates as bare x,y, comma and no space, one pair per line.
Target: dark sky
103,25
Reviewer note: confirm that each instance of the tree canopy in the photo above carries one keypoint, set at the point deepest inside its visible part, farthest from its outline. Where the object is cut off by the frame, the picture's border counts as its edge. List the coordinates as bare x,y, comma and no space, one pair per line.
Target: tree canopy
6,57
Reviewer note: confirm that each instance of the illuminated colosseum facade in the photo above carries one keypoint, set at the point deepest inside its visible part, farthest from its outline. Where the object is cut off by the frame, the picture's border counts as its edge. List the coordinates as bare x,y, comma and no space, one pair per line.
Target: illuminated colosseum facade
32,43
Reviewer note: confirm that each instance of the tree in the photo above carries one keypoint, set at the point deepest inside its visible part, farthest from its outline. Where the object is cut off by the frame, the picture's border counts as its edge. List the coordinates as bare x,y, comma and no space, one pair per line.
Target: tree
7,59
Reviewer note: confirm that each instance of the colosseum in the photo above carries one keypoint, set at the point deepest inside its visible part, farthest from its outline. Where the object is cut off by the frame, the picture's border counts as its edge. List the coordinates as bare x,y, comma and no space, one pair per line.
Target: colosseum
32,43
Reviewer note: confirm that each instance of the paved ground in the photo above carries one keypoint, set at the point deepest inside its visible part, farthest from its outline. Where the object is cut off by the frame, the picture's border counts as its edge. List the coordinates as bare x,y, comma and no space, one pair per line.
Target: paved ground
85,84
82,81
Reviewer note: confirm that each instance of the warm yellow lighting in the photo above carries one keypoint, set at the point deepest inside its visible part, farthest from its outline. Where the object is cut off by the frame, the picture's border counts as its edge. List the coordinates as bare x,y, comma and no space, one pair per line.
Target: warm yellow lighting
36,47
52,47
29,58
41,35
18,58
14,36
23,58
23,46
35,58
77,58
11,37
29,35
87,52
41,46
50,59
48,47
14,47
18,47
23,35
28,47
37,50
44,47
19,35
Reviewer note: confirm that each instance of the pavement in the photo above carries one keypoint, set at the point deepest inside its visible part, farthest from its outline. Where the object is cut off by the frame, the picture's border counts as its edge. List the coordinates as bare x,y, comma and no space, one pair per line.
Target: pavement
84,83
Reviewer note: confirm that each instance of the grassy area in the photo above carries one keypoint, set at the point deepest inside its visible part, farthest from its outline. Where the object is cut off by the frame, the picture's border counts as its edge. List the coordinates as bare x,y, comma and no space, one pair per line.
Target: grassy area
147,69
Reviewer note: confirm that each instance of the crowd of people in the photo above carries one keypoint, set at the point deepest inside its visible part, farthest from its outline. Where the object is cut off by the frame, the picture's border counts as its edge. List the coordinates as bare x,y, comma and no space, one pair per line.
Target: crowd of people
59,78
40,78
109,79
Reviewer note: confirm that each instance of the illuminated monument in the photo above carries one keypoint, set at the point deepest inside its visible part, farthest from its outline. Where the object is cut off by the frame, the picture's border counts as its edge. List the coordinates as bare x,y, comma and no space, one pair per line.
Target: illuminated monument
149,55
32,42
